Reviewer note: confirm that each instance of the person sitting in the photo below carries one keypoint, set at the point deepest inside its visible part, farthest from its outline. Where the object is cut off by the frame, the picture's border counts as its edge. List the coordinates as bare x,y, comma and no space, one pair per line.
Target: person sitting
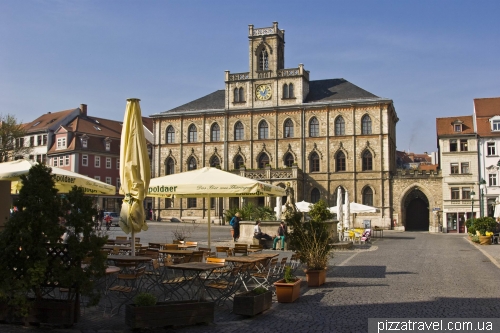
282,230
257,233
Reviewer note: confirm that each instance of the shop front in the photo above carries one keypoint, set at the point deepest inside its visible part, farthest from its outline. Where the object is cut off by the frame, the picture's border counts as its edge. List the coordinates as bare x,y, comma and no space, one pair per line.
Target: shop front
455,221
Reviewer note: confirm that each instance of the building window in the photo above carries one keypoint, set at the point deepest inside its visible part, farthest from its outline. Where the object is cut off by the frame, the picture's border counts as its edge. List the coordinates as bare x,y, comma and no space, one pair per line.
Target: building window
108,180
492,179
339,126
169,167
118,183
54,161
212,203
238,161
455,193
366,125
170,134
32,141
453,145
236,95
458,128
368,196
465,167
263,130
85,160
290,91
66,160
263,160
168,203
288,130
215,133
285,90
367,161
465,192
315,195
495,125
340,161
192,164
492,149
97,178
191,202
289,160
39,140
97,162
44,139
454,168
108,162
242,94
238,131
314,162
192,133
84,143
61,143
463,145
314,127
108,145
61,161
44,158
214,162
118,163
263,60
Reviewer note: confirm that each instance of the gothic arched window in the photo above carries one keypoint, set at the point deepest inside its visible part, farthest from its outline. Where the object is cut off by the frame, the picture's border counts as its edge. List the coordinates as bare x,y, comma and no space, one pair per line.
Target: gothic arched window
366,125
290,91
242,95
238,161
285,90
238,131
288,129
263,130
263,160
192,164
192,133
289,160
315,195
314,162
170,135
367,161
340,161
314,127
339,126
169,166
236,95
215,133
214,162
263,60
368,196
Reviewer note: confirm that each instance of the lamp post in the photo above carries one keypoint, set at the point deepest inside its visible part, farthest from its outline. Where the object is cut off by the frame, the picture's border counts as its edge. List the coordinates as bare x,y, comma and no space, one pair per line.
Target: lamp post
482,186
472,194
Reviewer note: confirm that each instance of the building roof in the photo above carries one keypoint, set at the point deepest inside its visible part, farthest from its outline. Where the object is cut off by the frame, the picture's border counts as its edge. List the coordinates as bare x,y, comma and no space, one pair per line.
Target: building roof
487,107
319,91
444,126
45,121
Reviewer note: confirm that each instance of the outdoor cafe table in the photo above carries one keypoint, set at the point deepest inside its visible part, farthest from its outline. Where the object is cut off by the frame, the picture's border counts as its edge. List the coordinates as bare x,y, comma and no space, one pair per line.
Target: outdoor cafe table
128,259
245,260
192,272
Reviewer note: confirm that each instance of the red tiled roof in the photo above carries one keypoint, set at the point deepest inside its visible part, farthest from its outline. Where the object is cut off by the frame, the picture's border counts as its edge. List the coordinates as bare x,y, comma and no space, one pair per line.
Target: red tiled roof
43,122
487,107
444,126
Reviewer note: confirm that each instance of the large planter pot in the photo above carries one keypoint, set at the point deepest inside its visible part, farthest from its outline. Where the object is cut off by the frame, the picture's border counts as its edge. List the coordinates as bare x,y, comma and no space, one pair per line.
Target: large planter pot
43,311
287,292
315,278
175,313
485,240
249,303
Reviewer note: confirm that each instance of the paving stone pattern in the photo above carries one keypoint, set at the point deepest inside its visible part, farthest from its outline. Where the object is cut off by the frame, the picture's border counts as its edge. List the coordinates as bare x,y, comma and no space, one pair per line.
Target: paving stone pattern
404,274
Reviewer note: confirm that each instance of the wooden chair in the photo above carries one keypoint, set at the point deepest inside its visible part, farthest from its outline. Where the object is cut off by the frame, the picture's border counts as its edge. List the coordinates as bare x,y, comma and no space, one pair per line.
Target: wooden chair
154,246
256,248
196,256
241,245
192,243
221,249
171,246
121,238
128,285
240,250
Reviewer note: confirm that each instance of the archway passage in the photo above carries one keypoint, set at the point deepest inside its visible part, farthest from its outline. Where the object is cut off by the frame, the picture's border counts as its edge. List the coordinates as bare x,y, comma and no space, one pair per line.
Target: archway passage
417,211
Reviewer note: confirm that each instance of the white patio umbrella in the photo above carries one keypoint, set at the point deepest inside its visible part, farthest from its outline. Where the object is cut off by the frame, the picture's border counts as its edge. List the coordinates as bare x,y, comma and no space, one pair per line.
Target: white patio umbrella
353,208
278,208
134,171
340,212
303,206
210,183
64,179
347,208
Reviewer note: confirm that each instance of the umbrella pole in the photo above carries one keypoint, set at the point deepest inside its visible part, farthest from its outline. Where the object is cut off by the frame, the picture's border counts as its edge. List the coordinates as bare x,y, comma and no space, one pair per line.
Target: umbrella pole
209,224
133,241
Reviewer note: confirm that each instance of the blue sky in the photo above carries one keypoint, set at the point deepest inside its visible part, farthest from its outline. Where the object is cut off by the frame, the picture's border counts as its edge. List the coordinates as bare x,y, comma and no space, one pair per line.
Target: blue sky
432,58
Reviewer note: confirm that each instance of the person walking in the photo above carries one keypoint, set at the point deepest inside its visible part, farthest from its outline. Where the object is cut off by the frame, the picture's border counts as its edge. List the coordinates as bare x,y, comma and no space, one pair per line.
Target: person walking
282,231
235,224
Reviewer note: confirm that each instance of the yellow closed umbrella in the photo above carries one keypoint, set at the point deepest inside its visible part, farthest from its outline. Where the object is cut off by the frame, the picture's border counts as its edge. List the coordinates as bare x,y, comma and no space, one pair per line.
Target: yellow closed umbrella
134,171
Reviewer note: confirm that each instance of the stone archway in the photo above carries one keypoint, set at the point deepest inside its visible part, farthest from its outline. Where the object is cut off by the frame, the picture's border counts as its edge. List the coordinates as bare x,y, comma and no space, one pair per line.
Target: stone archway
416,207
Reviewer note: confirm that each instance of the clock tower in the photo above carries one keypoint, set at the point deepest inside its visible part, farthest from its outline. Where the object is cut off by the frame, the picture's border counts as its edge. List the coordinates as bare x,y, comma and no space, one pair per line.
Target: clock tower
268,83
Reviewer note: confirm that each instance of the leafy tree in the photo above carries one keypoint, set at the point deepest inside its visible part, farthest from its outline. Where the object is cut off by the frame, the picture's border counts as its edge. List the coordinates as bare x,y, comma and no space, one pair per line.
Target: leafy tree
11,134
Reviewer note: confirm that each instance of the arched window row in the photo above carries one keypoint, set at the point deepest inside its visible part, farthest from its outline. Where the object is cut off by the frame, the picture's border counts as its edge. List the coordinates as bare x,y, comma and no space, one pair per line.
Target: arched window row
239,95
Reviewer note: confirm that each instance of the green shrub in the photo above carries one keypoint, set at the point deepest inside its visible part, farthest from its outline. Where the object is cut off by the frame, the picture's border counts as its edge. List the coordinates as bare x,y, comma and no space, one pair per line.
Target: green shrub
288,276
259,290
145,299
484,224
475,238
471,230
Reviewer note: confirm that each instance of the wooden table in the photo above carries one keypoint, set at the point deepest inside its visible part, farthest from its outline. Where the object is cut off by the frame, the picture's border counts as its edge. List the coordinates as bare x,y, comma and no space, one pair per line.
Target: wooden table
191,272
178,252
264,255
184,246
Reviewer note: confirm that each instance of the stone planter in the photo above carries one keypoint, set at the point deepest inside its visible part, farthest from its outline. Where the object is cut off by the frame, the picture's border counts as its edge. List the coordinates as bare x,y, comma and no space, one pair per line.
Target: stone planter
175,313
315,278
485,240
249,304
287,292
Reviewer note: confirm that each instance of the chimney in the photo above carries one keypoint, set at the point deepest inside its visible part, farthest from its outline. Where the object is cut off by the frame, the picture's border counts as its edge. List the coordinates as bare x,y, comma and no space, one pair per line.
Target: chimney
83,109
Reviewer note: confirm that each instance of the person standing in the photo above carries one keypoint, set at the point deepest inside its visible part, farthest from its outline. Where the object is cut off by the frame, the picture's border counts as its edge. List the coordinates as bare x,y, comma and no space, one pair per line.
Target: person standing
282,231
235,224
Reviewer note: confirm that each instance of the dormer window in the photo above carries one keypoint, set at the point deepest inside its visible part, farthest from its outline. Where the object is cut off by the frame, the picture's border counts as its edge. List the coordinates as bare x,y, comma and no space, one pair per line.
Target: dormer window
108,146
458,128
495,125
85,143
61,143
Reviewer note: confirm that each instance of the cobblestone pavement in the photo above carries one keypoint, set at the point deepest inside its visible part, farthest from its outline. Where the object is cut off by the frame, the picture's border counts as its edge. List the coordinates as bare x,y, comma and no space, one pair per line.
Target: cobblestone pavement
404,274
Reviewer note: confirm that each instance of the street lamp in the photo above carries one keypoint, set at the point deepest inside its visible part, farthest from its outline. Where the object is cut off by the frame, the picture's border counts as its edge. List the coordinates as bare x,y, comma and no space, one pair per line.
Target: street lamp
472,194
482,186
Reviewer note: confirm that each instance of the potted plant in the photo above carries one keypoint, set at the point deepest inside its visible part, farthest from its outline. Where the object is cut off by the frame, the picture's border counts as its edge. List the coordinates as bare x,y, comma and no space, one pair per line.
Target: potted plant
313,240
485,226
35,259
288,288
147,312
252,302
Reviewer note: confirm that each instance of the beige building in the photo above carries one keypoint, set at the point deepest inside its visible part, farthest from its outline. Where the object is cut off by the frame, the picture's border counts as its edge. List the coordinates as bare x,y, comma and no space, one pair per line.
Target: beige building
458,157
274,124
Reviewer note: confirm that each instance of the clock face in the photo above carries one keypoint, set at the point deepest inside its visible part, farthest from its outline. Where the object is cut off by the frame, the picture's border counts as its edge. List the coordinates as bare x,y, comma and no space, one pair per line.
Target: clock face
263,92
